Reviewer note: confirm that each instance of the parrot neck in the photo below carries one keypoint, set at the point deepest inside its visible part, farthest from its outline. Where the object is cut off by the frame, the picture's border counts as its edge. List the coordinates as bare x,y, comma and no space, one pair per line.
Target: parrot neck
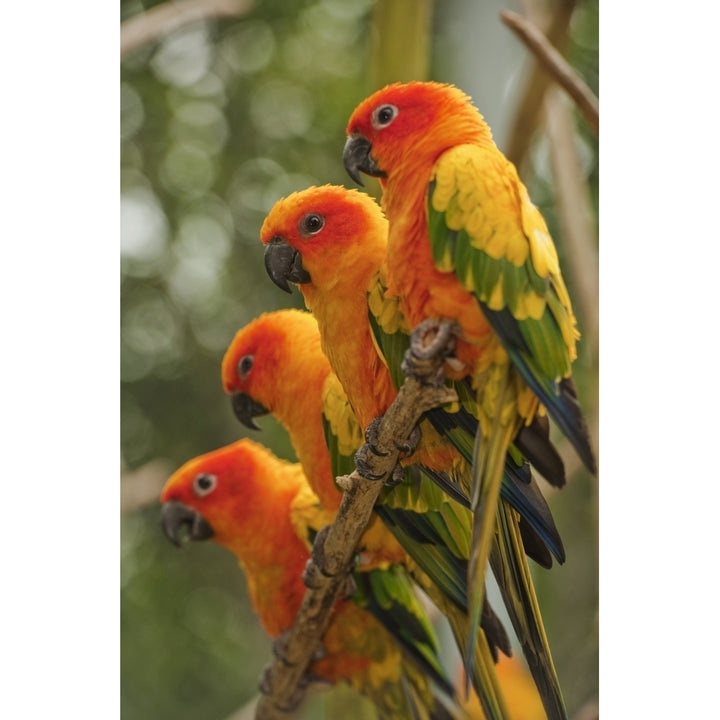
299,410
263,539
275,588
348,344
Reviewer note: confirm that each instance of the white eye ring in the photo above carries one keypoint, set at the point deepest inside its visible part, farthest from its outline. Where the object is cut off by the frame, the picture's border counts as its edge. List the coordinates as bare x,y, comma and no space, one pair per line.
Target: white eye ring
204,484
384,115
311,224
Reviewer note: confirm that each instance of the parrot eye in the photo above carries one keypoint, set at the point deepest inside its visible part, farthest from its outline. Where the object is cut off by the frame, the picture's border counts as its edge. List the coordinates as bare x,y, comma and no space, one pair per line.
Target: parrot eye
204,484
384,115
312,224
245,366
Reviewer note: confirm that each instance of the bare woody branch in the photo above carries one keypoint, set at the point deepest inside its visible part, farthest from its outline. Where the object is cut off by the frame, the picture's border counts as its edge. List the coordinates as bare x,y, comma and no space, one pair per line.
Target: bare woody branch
528,115
556,66
327,570
147,27
575,212
142,486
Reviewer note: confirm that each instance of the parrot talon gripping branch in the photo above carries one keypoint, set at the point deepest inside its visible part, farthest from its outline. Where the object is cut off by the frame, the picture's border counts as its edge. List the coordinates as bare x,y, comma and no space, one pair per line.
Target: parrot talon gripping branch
405,449
424,341
411,444
371,434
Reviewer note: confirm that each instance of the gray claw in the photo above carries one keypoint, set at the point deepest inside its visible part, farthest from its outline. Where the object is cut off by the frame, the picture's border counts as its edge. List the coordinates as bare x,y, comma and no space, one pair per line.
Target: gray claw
396,477
371,436
363,465
411,444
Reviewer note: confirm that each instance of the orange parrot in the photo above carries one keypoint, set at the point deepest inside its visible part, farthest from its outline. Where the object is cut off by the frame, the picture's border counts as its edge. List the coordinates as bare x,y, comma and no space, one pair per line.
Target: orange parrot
261,509
467,246
275,364
331,242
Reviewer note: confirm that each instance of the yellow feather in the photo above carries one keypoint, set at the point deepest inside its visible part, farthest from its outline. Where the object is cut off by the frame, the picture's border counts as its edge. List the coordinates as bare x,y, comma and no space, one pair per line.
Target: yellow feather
530,305
496,300
340,416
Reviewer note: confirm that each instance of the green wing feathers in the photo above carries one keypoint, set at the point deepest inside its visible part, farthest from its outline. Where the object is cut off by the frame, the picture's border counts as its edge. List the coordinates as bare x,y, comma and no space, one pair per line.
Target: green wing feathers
484,228
390,332
343,434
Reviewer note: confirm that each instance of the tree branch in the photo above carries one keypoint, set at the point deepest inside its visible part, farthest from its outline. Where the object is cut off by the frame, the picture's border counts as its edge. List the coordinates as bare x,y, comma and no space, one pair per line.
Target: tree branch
575,212
528,115
142,486
327,570
147,27
556,66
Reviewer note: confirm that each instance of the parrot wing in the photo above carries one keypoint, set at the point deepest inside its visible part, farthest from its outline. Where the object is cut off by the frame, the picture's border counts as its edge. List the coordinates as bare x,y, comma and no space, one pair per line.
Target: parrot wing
392,339
484,228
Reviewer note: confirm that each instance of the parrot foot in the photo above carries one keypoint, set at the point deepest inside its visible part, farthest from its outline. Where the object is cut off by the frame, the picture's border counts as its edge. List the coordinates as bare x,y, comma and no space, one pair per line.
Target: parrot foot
265,687
349,587
396,477
279,649
428,340
405,449
371,436
306,679
314,575
363,463
410,445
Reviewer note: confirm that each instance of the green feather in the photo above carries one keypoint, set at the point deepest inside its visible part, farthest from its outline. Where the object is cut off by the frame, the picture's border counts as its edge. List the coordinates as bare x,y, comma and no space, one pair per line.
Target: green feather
546,344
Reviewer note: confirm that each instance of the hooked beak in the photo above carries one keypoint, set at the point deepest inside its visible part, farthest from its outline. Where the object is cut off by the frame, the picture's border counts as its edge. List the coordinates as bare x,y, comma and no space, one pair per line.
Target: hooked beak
245,409
357,159
176,517
284,263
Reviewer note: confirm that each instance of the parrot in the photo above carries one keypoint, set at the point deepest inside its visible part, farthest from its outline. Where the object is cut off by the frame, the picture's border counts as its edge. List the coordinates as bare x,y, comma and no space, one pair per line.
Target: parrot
261,508
467,246
331,243
276,364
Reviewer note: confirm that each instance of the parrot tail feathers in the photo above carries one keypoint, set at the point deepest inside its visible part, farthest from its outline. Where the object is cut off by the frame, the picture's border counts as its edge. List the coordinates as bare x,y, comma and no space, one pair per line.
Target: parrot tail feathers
559,398
512,573
533,441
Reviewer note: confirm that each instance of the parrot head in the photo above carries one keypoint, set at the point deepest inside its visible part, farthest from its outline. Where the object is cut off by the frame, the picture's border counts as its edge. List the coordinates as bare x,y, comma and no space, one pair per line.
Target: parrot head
257,354
408,125
310,234
211,495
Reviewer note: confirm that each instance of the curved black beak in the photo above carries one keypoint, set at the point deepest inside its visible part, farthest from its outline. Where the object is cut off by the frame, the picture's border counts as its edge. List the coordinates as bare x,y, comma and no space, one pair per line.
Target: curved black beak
284,263
357,159
245,409
178,519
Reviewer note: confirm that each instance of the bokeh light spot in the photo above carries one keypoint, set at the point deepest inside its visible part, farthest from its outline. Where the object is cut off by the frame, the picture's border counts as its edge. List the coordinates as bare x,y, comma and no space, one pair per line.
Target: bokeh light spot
249,47
184,56
280,110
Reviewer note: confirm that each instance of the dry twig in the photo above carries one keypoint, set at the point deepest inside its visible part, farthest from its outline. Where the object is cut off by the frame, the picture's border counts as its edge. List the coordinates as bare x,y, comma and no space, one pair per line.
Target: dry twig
147,27
327,570
529,111
575,212
142,486
556,66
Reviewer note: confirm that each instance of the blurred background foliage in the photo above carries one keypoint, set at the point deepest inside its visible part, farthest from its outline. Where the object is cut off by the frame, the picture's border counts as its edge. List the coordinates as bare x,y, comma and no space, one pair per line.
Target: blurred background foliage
220,117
